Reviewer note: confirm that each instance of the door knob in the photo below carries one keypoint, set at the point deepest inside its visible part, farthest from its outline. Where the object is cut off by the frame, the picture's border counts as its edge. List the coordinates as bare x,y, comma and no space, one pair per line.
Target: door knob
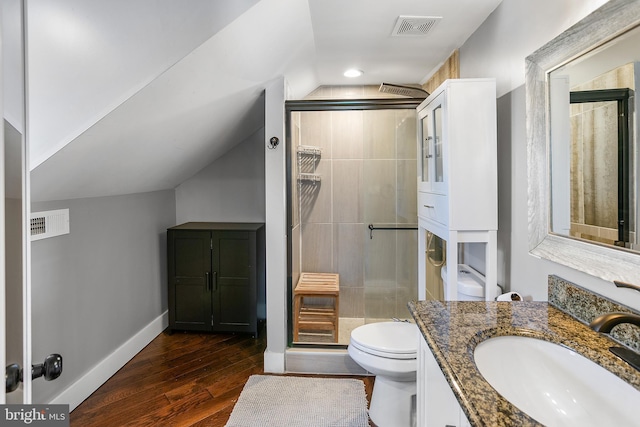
50,370
12,377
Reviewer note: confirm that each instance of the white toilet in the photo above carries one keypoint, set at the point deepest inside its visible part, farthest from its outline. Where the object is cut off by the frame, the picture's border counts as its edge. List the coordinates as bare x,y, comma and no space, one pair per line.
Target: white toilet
389,350
470,284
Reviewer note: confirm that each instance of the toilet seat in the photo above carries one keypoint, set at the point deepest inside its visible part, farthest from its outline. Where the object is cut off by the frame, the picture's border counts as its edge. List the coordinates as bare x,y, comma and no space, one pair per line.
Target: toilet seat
391,340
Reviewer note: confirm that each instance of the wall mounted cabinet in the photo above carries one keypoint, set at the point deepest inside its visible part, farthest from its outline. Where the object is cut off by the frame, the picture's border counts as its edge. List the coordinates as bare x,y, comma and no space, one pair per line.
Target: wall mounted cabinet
216,274
457,174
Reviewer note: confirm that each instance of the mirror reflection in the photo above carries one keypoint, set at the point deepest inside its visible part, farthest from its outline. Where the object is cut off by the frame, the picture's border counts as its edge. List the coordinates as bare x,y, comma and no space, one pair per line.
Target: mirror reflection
593,144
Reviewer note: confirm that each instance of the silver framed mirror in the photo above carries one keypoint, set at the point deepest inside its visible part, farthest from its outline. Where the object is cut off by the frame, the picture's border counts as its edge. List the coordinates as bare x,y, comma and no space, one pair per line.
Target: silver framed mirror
611,22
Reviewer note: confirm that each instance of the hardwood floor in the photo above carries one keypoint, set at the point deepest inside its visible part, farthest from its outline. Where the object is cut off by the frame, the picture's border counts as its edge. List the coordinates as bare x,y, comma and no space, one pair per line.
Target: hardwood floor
184,379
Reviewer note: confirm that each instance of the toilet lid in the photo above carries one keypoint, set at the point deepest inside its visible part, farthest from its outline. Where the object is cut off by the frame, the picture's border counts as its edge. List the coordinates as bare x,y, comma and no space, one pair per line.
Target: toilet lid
397,340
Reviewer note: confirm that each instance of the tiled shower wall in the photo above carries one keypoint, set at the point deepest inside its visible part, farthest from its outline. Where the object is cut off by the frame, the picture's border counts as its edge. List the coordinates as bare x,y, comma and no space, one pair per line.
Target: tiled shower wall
368,175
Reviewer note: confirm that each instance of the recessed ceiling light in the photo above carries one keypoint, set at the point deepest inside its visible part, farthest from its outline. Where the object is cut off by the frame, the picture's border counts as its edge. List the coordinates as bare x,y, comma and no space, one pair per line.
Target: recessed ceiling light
353,73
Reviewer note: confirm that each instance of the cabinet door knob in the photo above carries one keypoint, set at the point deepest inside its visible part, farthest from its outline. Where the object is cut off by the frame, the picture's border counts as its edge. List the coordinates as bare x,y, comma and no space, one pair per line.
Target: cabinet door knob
429,206
215,281
207,280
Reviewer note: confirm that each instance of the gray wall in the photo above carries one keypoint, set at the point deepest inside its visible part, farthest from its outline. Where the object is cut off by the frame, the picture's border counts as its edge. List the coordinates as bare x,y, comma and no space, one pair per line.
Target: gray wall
498,49
229,189
96,287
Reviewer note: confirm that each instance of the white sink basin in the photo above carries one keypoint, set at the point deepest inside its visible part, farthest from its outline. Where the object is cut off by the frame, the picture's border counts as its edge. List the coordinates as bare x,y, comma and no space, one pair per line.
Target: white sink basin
554,385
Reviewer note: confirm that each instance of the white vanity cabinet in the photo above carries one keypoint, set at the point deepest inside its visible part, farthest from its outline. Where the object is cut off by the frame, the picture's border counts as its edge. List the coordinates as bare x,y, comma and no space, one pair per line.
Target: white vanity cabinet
437,406
457,174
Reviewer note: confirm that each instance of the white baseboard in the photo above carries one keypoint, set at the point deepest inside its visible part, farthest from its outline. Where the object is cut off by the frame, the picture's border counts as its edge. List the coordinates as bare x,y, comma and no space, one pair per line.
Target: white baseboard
77,392
273,362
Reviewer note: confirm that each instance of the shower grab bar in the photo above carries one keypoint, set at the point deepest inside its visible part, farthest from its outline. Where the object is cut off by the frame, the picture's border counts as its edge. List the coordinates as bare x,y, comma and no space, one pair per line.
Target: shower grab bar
373,227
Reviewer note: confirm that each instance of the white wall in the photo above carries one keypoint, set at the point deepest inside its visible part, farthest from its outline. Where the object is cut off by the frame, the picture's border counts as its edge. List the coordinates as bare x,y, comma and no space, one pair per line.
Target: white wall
229,189
276,227
498,49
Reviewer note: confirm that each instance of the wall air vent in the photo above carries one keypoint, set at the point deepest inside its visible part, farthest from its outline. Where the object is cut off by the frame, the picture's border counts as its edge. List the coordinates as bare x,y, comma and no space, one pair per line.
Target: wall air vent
414,25
49,224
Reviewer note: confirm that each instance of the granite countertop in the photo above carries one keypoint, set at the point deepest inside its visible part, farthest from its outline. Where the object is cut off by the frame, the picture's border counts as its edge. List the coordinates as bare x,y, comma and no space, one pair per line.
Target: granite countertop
452,329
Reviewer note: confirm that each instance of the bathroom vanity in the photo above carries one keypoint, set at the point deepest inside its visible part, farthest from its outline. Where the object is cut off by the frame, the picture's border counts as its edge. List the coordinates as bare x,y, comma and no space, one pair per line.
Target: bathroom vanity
434,391
451,389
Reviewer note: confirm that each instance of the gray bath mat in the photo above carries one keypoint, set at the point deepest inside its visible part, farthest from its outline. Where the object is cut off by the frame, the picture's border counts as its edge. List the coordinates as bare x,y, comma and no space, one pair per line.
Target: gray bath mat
268,400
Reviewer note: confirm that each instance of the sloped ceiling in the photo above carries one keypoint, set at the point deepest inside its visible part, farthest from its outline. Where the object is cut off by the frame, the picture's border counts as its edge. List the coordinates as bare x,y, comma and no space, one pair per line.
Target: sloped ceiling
86,57
129,97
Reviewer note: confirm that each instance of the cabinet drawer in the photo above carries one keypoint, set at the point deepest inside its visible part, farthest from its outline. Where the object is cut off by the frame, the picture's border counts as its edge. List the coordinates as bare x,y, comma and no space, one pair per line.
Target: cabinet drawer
434,207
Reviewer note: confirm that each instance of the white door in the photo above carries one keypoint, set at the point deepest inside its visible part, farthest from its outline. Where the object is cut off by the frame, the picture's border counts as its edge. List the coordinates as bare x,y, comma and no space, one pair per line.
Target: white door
15,328
3,357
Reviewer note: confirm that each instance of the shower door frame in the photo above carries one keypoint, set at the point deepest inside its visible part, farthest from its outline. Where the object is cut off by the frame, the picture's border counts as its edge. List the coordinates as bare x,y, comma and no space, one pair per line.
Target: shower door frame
621,98
322,105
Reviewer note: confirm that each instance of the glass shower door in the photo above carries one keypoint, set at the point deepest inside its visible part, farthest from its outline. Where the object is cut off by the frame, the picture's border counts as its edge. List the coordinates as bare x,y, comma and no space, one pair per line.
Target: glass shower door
389,210
352,195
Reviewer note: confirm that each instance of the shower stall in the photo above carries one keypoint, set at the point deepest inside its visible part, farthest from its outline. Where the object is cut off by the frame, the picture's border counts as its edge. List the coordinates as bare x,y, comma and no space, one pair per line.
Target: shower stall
352,185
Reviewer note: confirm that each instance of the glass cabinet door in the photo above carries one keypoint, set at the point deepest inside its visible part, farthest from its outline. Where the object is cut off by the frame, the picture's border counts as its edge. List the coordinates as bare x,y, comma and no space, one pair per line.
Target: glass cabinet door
426,150
438,144
438,159
431,146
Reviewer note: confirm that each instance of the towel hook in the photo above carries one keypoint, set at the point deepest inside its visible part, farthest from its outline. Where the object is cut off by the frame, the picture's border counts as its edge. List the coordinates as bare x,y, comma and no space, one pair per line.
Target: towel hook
273,143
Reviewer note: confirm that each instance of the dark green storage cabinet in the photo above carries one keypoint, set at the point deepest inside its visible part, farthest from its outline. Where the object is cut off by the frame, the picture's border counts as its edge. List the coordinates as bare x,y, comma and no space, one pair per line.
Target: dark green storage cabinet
216,276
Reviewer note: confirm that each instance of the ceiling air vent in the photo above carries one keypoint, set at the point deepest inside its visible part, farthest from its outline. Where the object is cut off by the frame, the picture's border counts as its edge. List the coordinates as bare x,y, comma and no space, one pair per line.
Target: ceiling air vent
49,224
414,25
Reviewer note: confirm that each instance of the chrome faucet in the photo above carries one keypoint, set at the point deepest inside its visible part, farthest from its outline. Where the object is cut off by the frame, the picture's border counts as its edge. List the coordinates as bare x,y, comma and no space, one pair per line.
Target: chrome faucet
606,322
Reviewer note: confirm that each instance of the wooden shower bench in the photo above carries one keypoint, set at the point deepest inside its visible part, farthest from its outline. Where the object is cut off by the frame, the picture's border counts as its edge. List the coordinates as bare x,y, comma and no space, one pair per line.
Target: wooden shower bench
316,319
